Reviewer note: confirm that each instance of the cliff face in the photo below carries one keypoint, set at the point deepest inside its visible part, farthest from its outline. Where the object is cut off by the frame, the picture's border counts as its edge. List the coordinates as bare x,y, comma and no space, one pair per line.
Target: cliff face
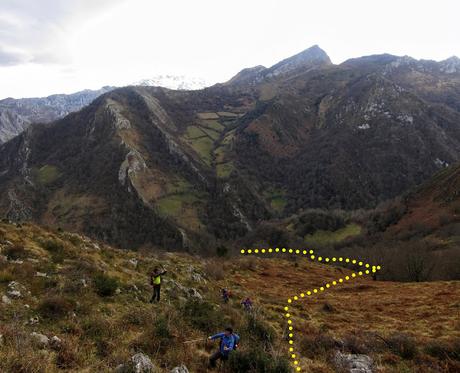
18,114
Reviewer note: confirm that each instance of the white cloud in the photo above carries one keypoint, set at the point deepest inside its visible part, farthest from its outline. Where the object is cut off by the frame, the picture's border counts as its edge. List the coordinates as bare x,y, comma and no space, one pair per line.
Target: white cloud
76,44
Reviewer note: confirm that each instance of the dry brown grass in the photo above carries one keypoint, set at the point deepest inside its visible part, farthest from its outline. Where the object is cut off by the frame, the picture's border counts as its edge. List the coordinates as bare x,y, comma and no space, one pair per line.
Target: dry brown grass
404,326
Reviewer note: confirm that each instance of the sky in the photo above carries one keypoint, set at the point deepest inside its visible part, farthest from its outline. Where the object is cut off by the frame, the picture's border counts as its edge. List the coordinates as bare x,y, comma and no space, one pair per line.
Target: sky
63,46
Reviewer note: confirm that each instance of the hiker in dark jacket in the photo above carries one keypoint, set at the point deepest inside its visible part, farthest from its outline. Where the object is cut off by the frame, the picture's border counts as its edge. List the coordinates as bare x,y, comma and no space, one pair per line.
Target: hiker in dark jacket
228,343
247,304
155,281
225,295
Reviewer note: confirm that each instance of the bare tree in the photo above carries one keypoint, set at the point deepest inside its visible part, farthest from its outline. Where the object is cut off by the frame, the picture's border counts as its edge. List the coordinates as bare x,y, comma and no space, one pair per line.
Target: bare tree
419,262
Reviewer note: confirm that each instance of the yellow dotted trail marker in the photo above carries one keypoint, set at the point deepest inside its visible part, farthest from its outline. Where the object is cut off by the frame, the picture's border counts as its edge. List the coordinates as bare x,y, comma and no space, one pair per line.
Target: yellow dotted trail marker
288,315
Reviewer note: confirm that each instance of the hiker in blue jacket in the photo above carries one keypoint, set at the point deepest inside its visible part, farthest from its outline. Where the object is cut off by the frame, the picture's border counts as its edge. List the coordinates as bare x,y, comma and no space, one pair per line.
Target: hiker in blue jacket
228,342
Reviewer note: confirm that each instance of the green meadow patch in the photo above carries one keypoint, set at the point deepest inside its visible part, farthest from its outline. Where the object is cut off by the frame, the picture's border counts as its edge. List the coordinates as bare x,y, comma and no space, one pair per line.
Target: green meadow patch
326,237
47,174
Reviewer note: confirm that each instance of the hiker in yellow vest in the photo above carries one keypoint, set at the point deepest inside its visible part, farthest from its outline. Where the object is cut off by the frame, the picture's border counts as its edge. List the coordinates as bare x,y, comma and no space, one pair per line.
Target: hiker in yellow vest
155,281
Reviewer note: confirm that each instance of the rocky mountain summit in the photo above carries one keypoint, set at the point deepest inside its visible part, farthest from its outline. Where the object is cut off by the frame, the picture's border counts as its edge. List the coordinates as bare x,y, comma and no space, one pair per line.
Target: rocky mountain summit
177,82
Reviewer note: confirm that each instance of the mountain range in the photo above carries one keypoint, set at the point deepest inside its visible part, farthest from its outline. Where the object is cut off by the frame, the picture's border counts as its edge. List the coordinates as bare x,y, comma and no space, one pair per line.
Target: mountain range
177,82
17,114
151,166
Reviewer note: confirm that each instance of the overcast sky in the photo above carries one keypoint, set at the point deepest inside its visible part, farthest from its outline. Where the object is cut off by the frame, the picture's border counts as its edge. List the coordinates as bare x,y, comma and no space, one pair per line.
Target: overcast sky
62,46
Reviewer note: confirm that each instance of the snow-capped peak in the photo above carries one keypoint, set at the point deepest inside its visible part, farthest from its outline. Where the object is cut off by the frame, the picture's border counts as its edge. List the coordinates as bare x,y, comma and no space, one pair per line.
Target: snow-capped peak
178,82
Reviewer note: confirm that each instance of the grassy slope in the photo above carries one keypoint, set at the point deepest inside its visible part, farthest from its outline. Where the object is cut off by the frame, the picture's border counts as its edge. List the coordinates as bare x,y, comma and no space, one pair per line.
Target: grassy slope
322,237
47,174
98,332
437,199
181,202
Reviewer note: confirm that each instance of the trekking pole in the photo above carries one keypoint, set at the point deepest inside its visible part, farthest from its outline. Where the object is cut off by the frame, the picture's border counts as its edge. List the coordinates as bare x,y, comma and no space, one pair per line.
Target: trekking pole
194,340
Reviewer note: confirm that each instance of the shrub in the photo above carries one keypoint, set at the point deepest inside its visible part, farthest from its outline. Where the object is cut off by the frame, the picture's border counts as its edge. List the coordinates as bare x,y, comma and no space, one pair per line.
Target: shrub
98,328
402,345
259,329
312,345
137,317
314,220
67,356
327,307
6,276
15,252
437,349
105,285
54,307
214,270
444,350
201,315
356,344
249,263
256,360
74,239
156,338
221,251
55,248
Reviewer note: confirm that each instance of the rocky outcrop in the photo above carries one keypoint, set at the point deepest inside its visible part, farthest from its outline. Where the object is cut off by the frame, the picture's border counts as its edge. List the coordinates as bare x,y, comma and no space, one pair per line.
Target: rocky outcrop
40,339
180,369
353,363
185,291
451,65
16,115
139,363
132,164
6,299
114,110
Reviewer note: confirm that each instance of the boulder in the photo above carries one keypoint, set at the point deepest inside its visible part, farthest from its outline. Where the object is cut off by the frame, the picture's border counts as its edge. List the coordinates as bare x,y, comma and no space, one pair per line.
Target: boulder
41,339
188,292
193,293
33,321
198,278
181,369
141,363
55,342
6,300
353,363
120,369
14,293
